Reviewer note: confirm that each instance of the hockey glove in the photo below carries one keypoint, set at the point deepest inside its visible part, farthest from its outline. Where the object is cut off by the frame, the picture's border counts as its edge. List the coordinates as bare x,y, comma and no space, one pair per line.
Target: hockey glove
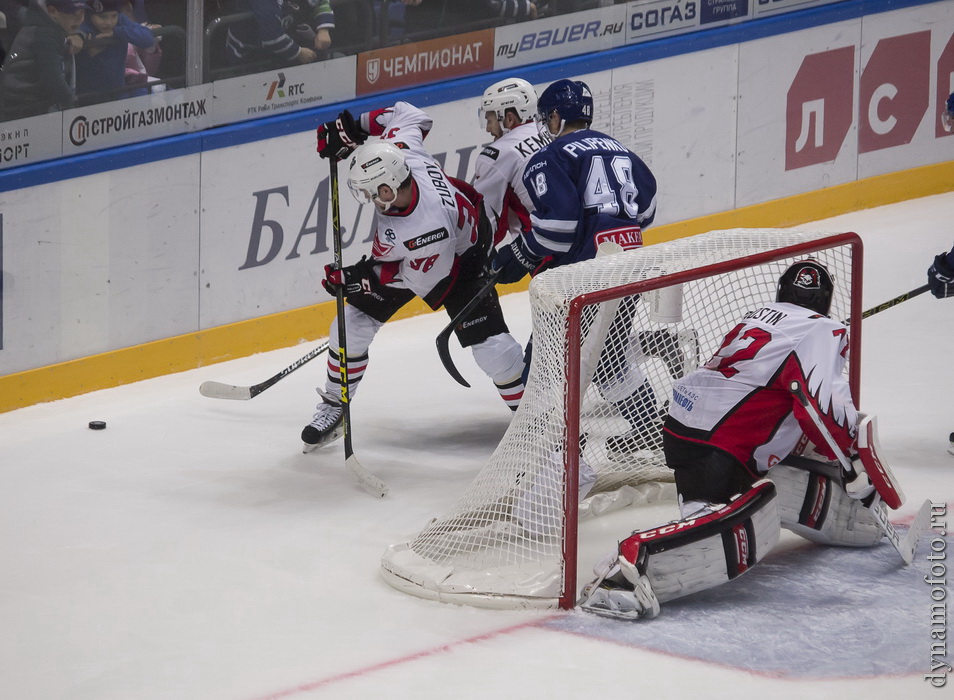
352,279
514,261
338,138
941,277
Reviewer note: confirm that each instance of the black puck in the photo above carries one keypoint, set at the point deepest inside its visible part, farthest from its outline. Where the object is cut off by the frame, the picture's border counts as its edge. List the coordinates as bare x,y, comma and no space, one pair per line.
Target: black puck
97,425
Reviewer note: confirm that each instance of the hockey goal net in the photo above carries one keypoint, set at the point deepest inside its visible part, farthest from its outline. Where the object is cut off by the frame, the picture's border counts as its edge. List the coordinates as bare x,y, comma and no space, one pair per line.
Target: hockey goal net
610,335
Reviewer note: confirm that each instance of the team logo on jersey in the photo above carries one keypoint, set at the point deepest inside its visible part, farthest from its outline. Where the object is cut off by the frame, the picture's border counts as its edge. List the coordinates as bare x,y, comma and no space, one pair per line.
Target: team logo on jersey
440,234
807,278
490,152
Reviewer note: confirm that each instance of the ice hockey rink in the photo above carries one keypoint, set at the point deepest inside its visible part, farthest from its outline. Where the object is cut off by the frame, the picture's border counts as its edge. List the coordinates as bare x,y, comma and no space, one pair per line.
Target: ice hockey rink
191,551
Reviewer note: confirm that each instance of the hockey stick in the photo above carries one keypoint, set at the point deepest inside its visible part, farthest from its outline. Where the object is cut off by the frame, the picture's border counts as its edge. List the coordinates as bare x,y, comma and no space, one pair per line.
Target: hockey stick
368,481
443,338
906,545
219,390
894,302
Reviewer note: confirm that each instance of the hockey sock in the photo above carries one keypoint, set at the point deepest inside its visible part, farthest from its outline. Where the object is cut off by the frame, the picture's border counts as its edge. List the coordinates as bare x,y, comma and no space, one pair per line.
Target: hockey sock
356,367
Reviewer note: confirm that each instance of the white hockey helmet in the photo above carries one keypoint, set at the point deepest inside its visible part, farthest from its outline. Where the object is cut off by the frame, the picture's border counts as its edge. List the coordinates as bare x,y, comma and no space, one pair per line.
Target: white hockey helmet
512,93
374,164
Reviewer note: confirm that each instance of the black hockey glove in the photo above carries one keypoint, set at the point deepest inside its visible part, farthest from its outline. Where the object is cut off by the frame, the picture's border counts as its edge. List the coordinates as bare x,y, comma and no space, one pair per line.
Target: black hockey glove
353,279
514,261
338,138
941,277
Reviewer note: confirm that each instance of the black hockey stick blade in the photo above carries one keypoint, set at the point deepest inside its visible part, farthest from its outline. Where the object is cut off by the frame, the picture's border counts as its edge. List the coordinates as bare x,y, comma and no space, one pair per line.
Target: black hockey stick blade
443,338
219,390
894,302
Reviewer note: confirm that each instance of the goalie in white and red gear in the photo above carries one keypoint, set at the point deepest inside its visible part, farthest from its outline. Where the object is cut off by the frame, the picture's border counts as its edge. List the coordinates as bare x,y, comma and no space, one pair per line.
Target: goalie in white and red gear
430,240
729,422
735,417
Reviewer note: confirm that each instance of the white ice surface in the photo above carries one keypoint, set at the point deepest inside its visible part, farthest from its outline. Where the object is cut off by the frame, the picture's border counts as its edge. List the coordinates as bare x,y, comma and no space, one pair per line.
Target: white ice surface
191,551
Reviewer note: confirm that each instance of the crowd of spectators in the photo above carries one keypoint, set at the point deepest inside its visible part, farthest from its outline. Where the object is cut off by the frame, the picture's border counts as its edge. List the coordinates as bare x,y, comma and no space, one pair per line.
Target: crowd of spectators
57,54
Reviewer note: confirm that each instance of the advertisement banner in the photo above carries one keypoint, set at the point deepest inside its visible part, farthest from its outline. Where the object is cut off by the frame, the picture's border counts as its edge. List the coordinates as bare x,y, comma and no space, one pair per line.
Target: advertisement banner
907,64
560,36
661,18
283,90
425,61
31,140
843,102
137,119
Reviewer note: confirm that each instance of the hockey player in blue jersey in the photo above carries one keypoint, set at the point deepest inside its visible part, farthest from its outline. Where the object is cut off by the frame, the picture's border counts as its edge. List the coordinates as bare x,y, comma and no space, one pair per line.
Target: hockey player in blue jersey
587,188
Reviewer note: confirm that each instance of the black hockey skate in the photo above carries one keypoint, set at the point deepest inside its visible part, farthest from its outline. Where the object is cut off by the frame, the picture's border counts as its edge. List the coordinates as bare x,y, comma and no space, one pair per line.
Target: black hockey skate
622,447
325,427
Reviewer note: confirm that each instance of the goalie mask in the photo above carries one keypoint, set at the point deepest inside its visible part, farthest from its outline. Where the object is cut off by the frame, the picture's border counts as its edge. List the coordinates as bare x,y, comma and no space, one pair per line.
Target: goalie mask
514,93
571,99
807,283
375,164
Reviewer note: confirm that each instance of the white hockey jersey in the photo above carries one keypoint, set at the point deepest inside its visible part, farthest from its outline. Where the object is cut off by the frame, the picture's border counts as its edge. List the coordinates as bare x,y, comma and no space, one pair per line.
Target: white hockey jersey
420,245
740,400
498,176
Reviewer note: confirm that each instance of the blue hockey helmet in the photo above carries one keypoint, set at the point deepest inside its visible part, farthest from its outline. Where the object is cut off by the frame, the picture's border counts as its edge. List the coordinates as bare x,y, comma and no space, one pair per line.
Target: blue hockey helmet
947,117
571,99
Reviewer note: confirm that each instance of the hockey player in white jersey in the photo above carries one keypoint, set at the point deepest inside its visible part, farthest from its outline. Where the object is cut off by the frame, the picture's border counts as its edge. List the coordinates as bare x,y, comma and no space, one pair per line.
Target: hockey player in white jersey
430,240
732,423
506,110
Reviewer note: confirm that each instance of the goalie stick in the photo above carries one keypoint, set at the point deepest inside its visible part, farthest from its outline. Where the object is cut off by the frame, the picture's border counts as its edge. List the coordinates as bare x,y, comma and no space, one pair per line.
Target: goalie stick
219,390
443,338
368,481
906,545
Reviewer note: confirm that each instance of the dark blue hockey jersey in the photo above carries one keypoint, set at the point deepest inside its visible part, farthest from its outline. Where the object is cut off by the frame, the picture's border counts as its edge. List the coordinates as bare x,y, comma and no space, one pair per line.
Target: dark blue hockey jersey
587,188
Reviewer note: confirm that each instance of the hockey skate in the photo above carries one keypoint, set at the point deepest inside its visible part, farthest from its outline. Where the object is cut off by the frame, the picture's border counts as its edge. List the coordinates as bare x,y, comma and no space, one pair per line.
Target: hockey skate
623,593
665,345
950,449
620,448
325,427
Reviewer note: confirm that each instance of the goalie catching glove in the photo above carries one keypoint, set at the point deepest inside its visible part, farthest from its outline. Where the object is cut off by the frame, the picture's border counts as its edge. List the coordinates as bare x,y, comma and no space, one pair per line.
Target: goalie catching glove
336,139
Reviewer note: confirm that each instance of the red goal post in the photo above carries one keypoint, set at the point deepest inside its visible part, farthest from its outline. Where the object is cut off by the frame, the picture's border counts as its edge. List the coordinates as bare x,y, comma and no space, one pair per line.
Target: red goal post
610,335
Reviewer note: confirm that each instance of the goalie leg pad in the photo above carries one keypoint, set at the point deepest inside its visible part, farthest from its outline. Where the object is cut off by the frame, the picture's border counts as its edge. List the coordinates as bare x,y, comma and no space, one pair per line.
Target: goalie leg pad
817,507
687,556
692,555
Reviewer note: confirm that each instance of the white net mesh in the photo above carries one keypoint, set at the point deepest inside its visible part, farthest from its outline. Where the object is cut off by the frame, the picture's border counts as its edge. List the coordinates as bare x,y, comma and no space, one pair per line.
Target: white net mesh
503,543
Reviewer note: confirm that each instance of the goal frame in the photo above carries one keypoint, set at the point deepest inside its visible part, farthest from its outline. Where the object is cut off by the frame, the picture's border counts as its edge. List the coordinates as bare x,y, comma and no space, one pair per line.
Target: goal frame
573,402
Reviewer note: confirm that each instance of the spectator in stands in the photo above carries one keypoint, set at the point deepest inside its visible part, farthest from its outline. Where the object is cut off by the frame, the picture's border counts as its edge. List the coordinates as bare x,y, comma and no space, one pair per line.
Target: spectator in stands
142,63
39,75
454,16
285,31
101,66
